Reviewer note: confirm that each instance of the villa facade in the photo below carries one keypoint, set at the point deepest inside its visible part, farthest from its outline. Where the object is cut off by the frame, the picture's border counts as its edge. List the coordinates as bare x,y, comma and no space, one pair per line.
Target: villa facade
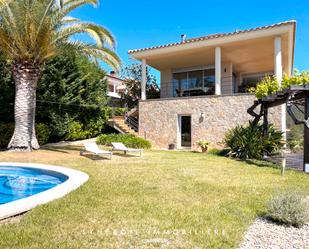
205,82
115,85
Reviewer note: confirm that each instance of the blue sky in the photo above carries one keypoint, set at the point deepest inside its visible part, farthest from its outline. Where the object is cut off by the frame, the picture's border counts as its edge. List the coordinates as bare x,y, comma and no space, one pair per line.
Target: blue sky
142,23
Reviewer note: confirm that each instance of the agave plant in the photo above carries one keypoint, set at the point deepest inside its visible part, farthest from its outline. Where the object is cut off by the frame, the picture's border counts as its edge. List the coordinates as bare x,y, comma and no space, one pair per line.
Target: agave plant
32,32
248,142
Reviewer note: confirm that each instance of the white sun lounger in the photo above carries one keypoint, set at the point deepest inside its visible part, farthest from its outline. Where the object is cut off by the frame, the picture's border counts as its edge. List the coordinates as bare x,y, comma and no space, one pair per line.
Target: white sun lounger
93,148
122,147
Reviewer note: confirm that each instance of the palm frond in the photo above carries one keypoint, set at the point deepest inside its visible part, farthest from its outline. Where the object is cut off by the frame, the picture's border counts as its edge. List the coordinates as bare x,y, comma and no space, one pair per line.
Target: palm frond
93,52
35,30
98,33
74,4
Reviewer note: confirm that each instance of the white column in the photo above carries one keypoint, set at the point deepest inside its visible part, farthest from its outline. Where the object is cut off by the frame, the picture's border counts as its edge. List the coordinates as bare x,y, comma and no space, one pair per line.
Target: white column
144,79
114,88
278,59
278,74
218,70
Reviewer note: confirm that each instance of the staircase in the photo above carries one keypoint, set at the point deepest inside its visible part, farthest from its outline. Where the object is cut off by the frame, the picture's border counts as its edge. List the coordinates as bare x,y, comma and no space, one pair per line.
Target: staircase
125,125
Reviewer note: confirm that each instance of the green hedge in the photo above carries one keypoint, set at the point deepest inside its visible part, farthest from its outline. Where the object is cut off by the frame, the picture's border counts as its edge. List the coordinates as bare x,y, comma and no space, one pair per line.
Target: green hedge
42,133
7,129
127,139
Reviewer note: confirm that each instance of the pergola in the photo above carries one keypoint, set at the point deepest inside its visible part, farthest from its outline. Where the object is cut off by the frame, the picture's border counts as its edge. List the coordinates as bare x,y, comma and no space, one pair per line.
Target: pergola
297,96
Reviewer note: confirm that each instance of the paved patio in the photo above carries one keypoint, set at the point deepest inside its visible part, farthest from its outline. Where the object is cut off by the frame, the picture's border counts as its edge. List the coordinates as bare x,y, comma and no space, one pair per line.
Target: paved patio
293,160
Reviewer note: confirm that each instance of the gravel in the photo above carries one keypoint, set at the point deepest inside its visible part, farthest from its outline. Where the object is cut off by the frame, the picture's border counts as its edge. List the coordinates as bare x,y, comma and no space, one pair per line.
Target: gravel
264,234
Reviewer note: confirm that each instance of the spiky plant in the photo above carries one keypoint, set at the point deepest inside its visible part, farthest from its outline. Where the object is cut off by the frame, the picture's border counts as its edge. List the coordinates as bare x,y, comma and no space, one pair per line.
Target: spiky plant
32,32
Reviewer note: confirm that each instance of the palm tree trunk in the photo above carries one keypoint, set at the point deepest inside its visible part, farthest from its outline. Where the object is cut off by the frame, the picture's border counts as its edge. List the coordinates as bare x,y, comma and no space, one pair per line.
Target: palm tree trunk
26,76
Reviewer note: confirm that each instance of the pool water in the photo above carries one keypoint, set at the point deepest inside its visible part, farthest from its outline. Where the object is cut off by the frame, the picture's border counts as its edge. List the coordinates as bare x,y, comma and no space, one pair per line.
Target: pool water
20,182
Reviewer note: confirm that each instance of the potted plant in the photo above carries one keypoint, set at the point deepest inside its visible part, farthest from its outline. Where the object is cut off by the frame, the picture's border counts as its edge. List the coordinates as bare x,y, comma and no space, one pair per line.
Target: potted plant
204,145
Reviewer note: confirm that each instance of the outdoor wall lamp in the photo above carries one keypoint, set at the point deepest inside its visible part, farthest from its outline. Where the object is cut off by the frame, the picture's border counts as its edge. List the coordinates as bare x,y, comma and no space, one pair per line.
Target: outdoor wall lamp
202,115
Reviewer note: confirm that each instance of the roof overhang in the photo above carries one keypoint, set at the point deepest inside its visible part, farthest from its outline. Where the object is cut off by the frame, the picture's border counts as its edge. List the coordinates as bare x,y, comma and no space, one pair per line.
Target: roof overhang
260,40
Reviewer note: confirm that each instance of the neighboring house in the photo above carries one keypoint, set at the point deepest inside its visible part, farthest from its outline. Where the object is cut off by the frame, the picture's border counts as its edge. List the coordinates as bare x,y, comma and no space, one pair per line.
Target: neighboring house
116,86
204,82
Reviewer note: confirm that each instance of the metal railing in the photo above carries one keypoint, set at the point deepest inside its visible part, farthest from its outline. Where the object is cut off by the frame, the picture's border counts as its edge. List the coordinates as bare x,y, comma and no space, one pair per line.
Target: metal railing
195,88
132,122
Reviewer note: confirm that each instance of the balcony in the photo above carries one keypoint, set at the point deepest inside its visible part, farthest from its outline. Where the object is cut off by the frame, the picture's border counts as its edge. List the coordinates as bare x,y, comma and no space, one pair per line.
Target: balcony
187,88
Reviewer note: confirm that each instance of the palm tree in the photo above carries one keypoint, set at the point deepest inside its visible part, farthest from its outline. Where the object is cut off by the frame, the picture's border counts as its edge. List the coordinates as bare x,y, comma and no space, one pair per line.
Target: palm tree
32,32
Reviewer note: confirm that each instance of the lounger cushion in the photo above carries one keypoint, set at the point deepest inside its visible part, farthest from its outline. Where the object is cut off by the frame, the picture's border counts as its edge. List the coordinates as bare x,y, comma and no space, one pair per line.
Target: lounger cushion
93,147
122,147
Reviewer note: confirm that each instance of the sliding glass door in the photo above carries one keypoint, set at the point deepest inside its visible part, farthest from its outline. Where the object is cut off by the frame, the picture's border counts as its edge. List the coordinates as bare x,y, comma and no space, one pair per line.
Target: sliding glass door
194,83
195,79
209,81
180,82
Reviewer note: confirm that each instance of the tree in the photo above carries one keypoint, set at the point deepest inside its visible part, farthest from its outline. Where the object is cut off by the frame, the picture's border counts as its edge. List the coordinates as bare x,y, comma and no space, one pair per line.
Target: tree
72,89
31,33
6,92
133,78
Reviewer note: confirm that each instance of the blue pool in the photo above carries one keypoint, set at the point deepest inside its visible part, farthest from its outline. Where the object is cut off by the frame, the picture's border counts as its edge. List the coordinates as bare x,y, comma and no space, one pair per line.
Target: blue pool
20,182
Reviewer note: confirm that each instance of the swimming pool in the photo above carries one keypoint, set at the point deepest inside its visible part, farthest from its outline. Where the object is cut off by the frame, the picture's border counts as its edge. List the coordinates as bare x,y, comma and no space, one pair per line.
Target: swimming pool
24,186
20,182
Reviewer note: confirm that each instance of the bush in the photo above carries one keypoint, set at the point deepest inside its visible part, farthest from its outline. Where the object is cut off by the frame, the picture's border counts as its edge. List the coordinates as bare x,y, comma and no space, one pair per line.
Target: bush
127,139
295,138
42,133
270,85
248,142
116,111
6,131
289,208
267,86
75,131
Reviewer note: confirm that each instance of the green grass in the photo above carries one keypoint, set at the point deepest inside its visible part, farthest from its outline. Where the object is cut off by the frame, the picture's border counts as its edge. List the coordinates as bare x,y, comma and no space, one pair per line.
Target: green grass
162,200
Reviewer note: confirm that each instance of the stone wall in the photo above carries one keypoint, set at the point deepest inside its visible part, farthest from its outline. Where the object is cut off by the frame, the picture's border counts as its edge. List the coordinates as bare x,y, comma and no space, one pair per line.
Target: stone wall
158,119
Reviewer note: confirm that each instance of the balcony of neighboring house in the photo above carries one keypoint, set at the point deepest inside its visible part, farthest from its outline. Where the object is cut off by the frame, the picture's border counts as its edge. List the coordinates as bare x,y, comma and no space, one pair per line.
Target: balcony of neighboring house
115,85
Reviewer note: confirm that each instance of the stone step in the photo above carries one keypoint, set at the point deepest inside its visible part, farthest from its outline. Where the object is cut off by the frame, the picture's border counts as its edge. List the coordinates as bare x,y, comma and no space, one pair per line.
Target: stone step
119,121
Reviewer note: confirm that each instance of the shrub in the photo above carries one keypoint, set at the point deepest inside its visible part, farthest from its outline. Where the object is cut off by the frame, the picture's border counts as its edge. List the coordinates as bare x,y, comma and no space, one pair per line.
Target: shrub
116,111
270,85
248,142
267,86
75,131
6,131
127,139
295,138
42,133
218,152
289,208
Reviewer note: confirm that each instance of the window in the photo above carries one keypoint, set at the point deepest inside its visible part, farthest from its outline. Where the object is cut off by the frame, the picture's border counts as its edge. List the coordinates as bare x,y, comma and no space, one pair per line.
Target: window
195,79
194,83
209,81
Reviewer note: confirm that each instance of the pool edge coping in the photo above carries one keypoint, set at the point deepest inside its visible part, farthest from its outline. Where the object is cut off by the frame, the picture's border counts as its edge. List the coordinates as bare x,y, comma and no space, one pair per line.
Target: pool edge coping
75,179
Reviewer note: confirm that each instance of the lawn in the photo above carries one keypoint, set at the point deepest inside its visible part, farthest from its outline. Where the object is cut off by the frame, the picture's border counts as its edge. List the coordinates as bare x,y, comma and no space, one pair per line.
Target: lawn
161,200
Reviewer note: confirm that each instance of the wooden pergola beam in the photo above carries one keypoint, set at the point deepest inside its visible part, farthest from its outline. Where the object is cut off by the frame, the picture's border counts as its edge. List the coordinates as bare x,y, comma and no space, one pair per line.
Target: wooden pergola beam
293,93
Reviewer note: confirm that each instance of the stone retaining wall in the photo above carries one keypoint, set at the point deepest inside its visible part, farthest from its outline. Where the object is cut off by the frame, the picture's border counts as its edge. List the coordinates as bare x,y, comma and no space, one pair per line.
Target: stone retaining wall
158,119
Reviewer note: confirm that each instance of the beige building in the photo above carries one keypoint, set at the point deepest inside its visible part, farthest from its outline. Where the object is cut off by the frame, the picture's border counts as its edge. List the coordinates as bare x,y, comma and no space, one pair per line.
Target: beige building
204,83
115,85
